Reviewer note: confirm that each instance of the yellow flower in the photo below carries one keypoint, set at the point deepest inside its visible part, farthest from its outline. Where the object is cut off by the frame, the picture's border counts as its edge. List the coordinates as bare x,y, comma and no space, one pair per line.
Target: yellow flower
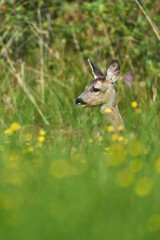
15,126
143,187
90,140
30,149
42,132
125,178
120,138
134,104
114,137
41,139
108,110
120,128
107,148
8,132
138,111
154,223
110,128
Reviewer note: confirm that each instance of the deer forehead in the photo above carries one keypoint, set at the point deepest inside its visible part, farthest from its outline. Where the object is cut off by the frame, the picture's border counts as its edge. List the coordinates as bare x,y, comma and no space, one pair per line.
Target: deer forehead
98,84
95,83
104,84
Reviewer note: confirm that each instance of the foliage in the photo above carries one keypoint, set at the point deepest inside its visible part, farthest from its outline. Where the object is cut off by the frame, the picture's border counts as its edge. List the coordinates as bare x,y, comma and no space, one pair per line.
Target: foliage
81,181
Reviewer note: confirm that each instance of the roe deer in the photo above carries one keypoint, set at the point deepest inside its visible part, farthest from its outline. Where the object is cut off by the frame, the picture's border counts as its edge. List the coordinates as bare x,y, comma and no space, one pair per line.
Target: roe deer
101,92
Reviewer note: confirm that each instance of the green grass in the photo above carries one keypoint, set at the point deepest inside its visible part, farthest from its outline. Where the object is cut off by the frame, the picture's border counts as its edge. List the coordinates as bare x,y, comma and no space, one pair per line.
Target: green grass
83,184
70,188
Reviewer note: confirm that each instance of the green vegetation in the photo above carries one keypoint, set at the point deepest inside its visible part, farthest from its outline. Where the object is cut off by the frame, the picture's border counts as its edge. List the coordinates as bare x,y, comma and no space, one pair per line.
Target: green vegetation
62,176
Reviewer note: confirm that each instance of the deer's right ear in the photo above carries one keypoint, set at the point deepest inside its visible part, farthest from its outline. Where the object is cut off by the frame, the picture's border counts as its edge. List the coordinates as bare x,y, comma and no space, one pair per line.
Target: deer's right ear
95,70
113,70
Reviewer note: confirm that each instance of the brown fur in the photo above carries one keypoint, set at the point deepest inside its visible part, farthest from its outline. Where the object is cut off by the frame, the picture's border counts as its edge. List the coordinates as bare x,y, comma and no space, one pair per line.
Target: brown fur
101,92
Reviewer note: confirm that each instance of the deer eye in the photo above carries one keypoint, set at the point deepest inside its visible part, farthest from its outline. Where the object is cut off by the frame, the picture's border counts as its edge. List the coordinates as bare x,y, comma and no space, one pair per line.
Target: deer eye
96,89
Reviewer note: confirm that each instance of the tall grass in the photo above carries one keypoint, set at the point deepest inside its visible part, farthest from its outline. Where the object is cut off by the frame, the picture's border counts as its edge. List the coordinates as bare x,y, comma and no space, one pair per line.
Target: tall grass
76,179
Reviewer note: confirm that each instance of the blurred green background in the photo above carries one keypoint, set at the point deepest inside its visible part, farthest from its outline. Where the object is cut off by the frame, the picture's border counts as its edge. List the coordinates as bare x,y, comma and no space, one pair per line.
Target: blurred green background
76,180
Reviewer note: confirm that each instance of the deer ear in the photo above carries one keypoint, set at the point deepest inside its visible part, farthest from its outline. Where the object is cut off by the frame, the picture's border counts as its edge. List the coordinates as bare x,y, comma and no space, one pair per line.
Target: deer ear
113,70
95,70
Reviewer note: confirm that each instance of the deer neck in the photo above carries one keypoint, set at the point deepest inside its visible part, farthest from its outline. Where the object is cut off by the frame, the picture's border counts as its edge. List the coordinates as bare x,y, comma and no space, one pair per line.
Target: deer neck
114,117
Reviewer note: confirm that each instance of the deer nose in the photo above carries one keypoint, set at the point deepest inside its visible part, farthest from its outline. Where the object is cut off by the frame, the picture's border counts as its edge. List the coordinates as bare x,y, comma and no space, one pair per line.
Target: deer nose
77,101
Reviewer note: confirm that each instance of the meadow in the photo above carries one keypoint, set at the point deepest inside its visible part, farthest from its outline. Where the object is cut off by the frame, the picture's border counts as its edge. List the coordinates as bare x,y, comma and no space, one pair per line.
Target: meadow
62,174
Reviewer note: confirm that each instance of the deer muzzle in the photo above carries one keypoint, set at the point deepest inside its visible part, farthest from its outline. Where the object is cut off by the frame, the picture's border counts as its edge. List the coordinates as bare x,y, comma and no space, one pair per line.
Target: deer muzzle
80,102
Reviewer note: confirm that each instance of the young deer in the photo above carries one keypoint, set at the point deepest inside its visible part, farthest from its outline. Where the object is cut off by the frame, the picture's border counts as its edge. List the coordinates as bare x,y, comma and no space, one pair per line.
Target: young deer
101,92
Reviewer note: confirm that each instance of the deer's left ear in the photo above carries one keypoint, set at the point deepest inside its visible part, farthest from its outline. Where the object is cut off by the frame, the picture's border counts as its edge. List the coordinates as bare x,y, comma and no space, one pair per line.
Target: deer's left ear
95,70
113,70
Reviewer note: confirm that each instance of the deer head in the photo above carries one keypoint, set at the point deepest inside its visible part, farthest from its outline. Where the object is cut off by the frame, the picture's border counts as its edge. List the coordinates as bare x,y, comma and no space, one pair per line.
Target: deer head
101,90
